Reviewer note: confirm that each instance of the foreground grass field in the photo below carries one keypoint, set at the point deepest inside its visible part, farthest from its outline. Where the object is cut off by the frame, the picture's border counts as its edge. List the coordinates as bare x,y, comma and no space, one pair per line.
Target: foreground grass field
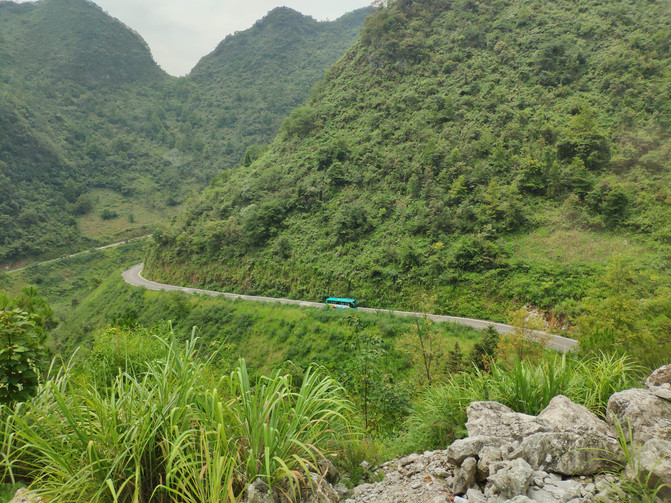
199,436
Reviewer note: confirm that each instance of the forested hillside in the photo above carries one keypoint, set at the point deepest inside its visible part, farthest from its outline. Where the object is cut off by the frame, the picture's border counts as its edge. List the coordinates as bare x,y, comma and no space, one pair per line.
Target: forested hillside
96,140
484,155
241,92
70,97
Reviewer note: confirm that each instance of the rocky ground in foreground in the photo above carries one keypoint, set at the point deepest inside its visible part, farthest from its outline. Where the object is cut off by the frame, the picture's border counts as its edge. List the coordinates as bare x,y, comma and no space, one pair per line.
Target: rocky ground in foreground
566,454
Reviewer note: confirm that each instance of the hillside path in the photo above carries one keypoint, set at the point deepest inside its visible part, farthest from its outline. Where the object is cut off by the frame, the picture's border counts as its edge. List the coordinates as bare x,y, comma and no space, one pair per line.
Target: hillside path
133,276
104,247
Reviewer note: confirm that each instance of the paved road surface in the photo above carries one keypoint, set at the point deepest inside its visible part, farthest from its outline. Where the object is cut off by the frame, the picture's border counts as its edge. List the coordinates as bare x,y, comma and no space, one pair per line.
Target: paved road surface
134,277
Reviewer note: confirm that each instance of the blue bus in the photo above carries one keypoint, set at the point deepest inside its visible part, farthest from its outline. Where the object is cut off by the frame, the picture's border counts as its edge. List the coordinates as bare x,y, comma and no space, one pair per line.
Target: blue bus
339,303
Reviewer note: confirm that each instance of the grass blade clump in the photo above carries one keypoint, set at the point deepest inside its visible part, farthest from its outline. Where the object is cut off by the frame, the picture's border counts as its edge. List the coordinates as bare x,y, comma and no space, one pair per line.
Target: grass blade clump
281,433
439,415
598,377
171,432
528,387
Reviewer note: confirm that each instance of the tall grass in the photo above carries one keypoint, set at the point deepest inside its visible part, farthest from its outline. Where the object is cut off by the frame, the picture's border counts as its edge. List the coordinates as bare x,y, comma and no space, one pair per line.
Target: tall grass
636,484
439,414
171,433
281,433
596,378
528,387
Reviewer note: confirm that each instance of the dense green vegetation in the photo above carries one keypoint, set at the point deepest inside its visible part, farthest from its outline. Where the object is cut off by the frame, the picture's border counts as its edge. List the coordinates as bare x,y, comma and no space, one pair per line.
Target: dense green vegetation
239,94
97,140
172,430
71,95
62,284
496,154
470,158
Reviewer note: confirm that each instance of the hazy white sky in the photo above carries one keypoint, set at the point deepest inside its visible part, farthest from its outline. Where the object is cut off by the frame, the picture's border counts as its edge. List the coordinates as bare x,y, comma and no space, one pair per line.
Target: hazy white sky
180,32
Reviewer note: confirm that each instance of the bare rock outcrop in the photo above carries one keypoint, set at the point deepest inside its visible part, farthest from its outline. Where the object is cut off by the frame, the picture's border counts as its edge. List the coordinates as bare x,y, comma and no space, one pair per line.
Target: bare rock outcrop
492,419
648,415
659,378
23,495
655,465
316,490
465,476
319,490
471,446
417,478
512,479
555,457
258,492
564,438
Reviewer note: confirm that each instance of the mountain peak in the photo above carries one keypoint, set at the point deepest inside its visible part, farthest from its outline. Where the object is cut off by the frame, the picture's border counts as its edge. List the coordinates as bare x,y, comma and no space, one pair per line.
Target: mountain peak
76,40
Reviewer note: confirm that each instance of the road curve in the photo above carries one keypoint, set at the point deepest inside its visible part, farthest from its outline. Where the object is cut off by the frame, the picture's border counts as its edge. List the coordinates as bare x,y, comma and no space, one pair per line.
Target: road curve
133,276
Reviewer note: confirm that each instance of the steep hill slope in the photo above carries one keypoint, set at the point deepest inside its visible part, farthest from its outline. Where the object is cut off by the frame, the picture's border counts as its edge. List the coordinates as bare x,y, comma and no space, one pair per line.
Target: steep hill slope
72,92
254,78
97,139
483,154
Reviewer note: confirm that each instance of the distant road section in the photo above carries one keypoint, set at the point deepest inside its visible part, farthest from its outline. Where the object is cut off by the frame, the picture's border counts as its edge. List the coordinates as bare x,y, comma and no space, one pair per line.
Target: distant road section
133,276
111,245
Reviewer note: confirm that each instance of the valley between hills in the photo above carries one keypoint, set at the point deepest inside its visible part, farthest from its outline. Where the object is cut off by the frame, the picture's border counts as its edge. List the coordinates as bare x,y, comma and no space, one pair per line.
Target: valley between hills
454,160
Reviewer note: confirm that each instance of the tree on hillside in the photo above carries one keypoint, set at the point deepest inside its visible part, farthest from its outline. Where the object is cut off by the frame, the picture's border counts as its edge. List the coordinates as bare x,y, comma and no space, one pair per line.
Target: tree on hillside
523,342
424,344
428,345
484,352
363,371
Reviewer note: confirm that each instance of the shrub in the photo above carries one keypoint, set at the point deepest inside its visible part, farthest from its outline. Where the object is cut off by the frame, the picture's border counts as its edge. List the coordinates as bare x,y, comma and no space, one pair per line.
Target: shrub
473,253
108,214
83,205
301,122
20,352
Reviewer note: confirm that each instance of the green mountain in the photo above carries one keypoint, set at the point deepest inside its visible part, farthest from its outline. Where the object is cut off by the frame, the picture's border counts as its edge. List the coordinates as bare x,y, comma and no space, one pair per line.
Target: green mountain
96,141
74,95
73,40
243,90
481,155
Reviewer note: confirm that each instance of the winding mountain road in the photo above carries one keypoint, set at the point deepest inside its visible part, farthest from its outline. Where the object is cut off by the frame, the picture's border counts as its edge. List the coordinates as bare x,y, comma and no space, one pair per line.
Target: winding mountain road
133,276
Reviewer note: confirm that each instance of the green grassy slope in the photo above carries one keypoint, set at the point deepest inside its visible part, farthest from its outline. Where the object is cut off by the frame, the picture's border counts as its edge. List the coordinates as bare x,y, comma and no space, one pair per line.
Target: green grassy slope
264,334
67,282
97,139
453,150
